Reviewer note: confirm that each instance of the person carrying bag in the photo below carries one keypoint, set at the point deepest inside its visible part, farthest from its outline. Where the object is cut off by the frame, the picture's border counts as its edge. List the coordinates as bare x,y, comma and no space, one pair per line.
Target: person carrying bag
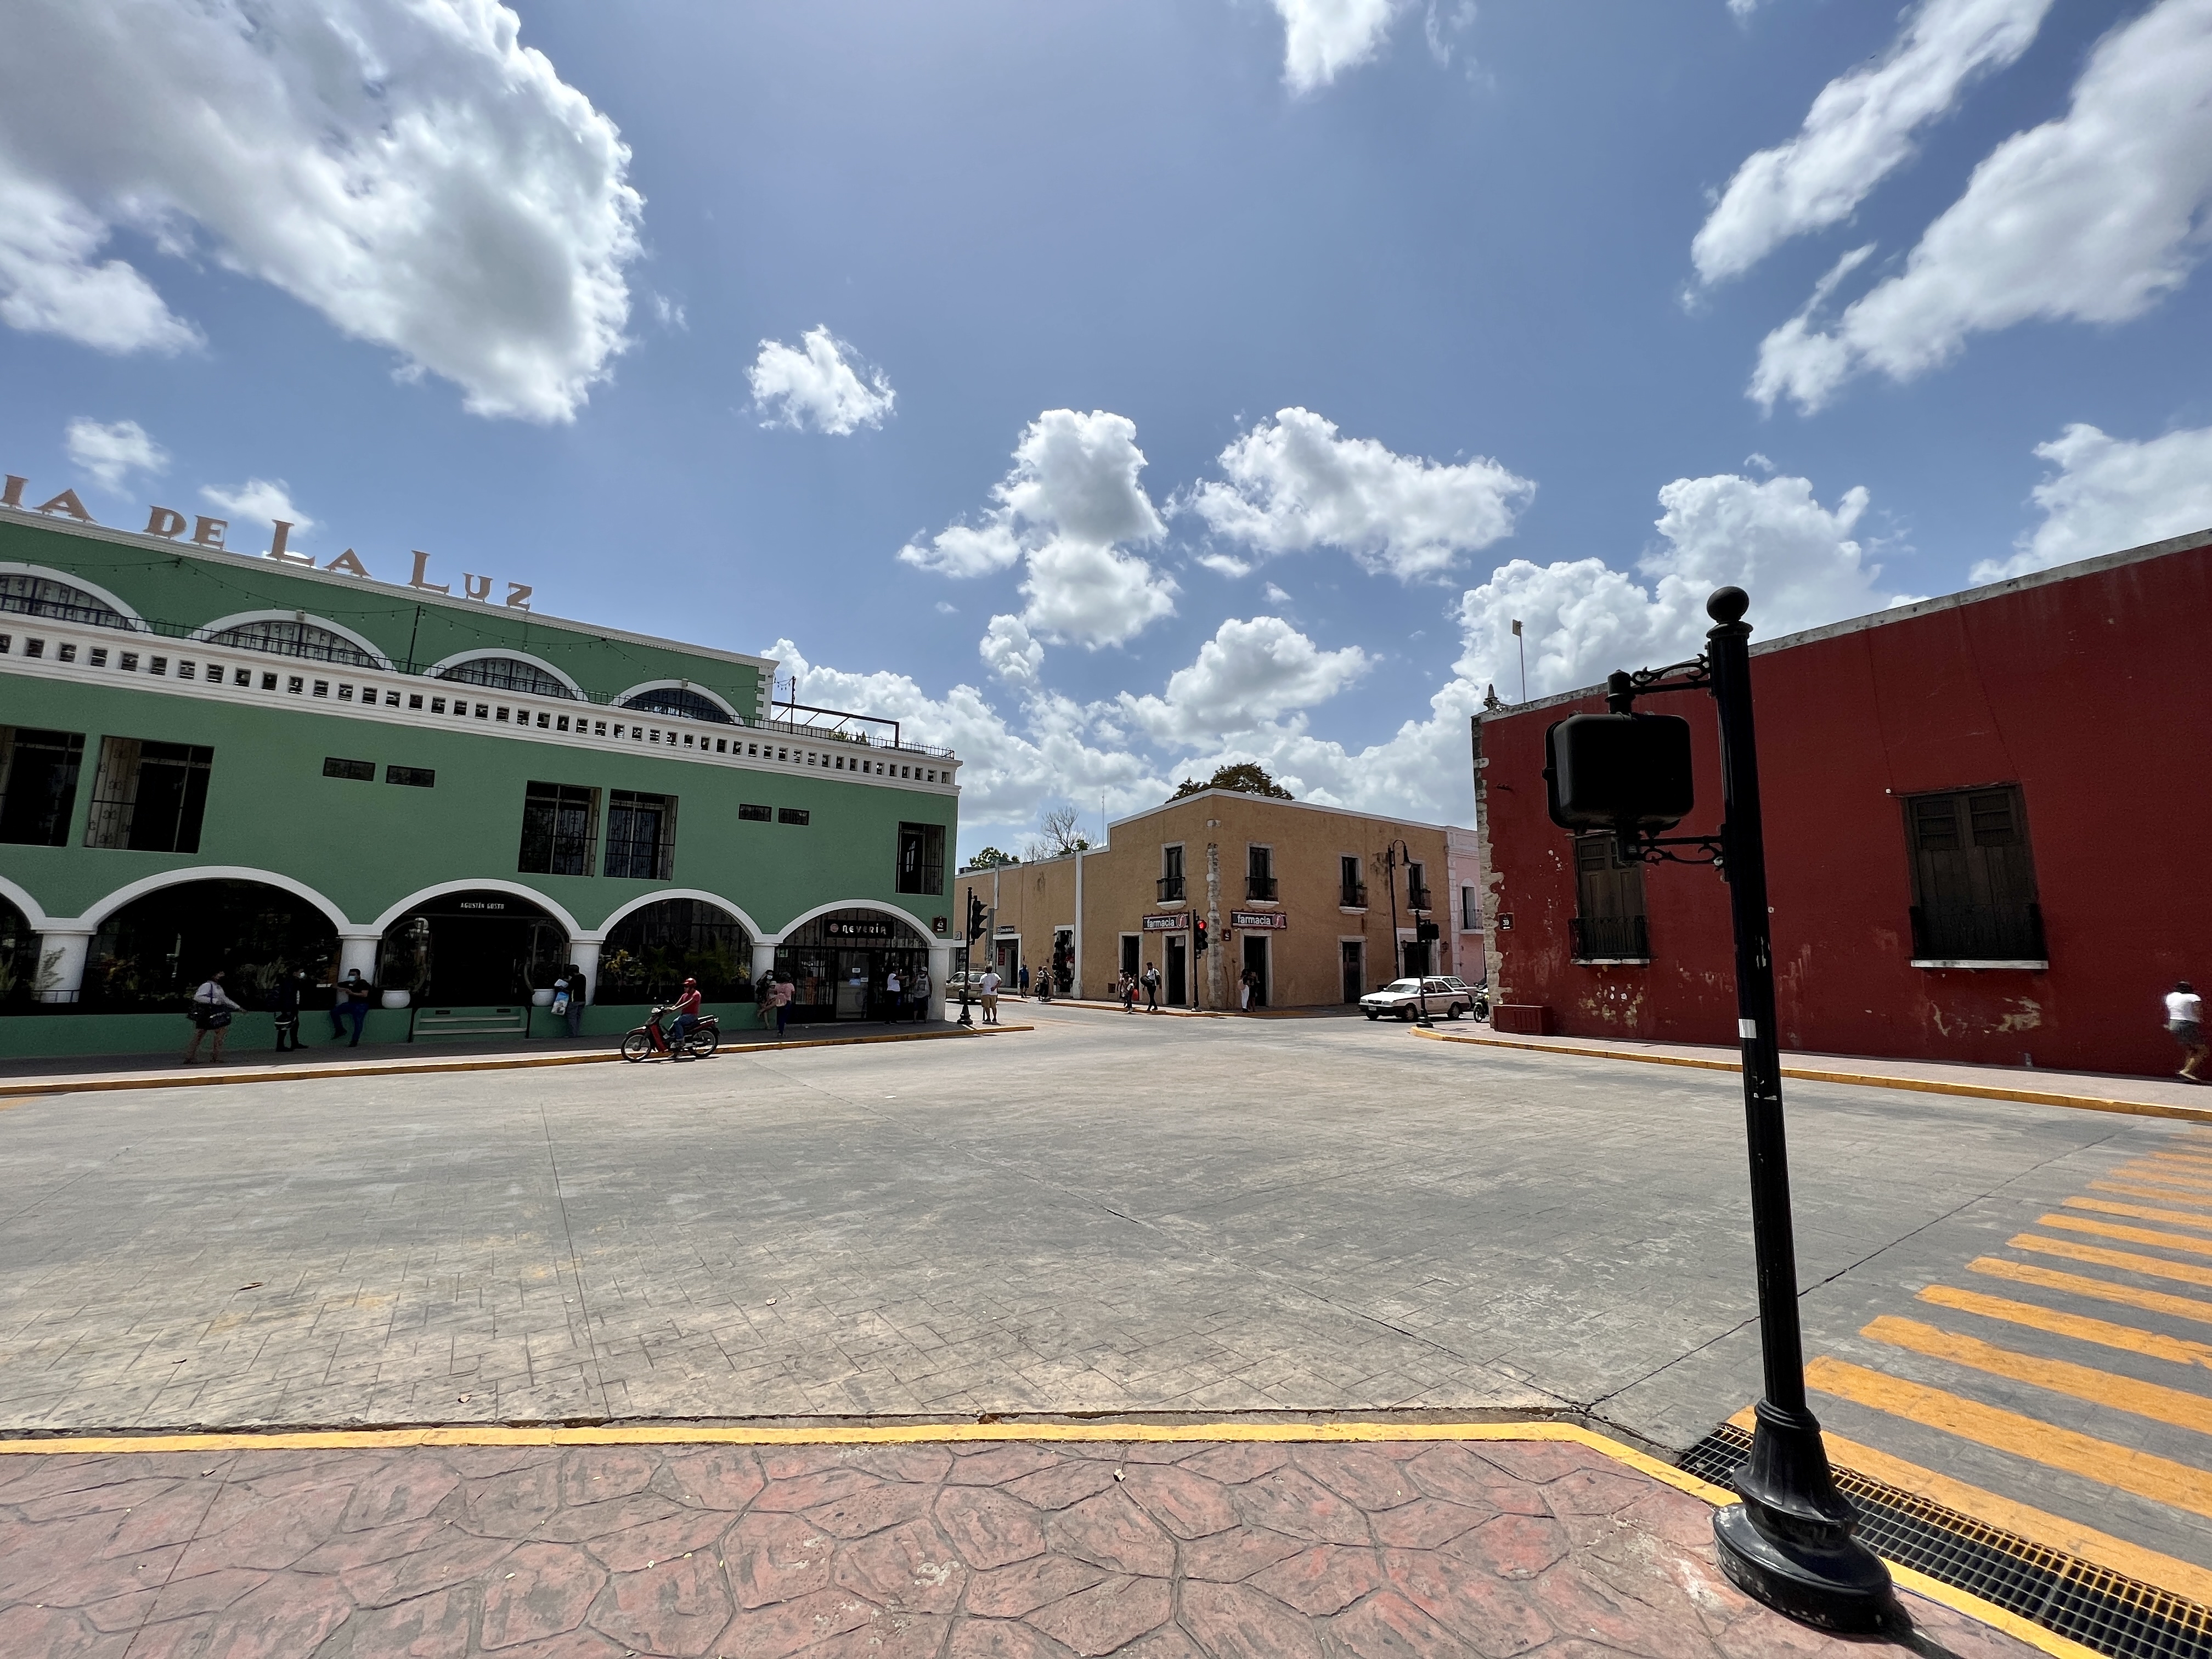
211,1010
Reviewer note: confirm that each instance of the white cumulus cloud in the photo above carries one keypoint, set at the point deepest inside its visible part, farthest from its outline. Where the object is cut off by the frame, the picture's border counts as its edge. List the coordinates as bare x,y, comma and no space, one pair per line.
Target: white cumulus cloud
111,452
1296,482
406,167
1322,39
2093,217
259,498
821,385
2108,494
1248,674
1071,506
1009,652
1860,130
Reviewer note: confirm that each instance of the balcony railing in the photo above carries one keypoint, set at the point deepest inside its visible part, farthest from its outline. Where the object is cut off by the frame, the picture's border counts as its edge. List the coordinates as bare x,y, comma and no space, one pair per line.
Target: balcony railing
1259,887
1353,898
1171,889
1417,898
1978,932
1609,939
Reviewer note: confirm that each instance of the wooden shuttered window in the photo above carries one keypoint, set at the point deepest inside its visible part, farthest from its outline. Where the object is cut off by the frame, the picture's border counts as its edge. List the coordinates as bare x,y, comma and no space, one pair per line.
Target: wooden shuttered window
1973,876
1609,923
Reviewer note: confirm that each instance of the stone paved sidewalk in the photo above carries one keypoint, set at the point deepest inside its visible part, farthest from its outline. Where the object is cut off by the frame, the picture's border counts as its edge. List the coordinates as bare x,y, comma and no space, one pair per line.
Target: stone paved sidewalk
976,1549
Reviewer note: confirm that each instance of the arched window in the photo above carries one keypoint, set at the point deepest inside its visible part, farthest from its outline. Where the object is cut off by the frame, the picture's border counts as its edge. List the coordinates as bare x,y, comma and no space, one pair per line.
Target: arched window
42,596
650,952
506,674
151,954
287,637
681,701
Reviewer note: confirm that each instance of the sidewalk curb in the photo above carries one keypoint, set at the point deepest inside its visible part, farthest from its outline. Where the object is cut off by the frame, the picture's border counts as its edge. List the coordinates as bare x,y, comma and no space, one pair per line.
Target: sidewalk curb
902,1434
96,1084
1866,1080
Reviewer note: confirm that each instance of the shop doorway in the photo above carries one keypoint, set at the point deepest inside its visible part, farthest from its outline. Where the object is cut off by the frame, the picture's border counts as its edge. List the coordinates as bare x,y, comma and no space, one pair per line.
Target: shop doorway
472,950
1178,971
838,965
1256,963
1131,945
1355,971
1007,958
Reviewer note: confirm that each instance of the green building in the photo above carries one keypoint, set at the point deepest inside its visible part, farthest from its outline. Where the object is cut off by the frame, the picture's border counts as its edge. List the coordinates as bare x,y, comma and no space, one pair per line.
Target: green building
215,759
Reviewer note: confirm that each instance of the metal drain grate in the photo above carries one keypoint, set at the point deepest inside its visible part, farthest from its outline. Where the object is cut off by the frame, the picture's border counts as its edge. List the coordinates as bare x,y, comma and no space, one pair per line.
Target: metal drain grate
2084,1602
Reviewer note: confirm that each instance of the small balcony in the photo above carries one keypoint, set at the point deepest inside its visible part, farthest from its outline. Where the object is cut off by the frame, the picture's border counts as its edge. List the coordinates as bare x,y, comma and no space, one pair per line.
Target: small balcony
1978,932
1609,939
1353,898
1171,889
1417,898
1259,887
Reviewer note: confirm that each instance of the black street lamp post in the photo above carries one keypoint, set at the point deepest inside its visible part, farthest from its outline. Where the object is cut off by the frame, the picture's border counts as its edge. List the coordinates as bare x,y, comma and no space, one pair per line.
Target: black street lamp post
1391,865
1789,1543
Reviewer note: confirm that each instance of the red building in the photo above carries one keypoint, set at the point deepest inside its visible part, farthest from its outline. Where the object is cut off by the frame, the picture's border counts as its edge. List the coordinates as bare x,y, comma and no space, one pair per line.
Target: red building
1980,817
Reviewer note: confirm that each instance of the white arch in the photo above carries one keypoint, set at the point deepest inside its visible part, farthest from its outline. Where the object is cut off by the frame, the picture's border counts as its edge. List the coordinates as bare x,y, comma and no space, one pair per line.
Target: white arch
735,910
70,579
244,618
482,884
22,899
800,920
692,686
476,655
123,895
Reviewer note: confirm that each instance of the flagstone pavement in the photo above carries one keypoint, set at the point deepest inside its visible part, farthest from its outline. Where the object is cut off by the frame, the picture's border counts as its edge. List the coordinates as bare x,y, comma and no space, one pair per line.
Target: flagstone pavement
1005,1550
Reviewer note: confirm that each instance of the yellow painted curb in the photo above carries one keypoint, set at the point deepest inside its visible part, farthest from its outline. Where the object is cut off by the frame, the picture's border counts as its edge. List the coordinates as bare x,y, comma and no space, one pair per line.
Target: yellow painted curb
98,1085
1866,1080
915,1433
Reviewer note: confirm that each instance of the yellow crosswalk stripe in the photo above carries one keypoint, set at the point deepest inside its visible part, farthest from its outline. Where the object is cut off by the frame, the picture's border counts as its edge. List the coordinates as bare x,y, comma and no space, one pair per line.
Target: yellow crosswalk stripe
2152,1400
2155,1344
2076,1224
2106,1207
2182,1162
2127,1259
2160,1172
2164,1194
2100,1290
2159,1478
2052,1532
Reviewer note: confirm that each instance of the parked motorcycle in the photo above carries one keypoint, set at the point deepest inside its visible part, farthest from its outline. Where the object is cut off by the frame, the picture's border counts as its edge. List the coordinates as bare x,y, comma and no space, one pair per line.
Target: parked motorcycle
650,1042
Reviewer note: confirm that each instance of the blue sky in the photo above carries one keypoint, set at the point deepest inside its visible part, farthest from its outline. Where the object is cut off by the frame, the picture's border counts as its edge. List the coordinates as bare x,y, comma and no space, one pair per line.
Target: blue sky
839,330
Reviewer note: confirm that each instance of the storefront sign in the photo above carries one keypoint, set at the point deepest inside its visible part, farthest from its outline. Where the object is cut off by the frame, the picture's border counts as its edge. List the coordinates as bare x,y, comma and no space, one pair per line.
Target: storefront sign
1258,919
1174,924
168,523
876,932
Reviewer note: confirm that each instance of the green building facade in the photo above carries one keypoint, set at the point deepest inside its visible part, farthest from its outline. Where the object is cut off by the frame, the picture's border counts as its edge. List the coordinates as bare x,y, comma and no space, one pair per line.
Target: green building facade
215,759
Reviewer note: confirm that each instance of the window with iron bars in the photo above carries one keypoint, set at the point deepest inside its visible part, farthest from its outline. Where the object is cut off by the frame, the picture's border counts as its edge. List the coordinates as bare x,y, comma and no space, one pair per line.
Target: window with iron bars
640,835
148,797
1609,924
560,826
920,858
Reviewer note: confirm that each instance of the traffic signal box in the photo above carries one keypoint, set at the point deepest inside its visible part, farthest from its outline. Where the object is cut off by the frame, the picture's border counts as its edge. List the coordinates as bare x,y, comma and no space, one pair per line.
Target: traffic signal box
1623,773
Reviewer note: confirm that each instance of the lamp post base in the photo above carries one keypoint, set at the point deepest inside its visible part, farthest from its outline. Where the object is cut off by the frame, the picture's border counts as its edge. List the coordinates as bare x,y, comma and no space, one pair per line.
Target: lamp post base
1844,1587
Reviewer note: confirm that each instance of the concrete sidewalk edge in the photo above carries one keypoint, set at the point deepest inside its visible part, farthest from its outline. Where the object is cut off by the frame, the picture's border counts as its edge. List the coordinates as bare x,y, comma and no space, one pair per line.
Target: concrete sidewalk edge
95,1083
1867,1079
1906,1579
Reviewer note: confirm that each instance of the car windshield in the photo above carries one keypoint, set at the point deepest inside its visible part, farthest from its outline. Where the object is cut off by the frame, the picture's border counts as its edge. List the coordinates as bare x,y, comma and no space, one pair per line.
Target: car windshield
1408,986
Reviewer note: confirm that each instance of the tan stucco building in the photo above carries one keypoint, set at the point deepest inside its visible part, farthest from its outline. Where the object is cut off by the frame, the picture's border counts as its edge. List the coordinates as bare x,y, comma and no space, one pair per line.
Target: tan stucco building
1301,895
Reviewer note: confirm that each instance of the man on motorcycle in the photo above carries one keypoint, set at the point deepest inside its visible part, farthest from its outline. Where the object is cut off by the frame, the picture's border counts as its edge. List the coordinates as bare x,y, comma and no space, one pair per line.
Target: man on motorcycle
683,1018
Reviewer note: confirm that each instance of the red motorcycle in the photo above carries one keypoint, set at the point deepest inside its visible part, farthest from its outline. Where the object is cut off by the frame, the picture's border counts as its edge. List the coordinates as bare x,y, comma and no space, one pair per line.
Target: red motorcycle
649,1041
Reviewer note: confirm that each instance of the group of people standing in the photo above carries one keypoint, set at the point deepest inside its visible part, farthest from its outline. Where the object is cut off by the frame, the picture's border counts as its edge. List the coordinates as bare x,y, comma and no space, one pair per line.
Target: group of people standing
213,1008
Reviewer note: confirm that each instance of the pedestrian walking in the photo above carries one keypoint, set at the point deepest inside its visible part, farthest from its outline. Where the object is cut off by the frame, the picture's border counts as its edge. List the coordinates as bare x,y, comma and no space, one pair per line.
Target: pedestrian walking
284,1002
210,1012
922,990
1125,987
784,990
1022,980
1151,988
2185,1018
579,990
893,990
990,990
1250,982
352,1003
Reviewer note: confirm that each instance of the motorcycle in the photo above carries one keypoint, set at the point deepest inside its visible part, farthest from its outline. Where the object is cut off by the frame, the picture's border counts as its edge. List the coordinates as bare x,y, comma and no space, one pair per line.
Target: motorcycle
1482,1008
650,1042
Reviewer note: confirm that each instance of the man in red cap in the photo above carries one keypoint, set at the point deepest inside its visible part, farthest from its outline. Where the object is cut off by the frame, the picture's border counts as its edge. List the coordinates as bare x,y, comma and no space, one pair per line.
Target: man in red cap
686,1013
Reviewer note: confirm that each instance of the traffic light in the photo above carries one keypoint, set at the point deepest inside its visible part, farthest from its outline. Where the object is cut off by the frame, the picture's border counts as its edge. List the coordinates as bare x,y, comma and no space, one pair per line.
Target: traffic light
974,917
1197,938
1618,772
1426,931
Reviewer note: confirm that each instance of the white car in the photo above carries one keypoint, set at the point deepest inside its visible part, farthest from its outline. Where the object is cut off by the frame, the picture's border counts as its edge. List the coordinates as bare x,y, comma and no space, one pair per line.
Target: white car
1445,995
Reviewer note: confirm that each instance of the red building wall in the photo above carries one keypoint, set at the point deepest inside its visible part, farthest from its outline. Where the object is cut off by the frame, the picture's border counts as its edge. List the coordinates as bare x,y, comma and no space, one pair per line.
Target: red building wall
2088,687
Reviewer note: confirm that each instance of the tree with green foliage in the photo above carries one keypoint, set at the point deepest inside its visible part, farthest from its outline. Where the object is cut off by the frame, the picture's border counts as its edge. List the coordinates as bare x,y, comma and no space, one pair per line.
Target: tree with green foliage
1246,777
991,858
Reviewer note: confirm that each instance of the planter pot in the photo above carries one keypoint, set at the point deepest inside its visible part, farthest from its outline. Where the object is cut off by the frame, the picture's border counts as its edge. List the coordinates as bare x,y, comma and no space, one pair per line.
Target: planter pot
541,999
395,998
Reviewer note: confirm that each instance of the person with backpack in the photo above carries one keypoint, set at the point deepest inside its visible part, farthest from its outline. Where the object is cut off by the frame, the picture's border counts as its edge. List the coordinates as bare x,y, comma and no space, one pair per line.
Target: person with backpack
211,1010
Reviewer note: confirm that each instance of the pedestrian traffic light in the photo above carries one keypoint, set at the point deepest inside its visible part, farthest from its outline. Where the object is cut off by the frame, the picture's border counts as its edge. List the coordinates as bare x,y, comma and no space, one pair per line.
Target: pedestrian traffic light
1197,938
1426,931
974,917
1619,772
